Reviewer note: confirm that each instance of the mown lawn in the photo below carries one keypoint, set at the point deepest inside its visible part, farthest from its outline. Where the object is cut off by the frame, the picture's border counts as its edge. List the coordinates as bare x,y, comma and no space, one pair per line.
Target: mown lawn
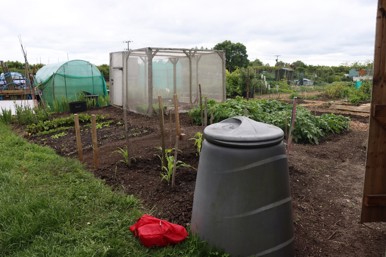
51,206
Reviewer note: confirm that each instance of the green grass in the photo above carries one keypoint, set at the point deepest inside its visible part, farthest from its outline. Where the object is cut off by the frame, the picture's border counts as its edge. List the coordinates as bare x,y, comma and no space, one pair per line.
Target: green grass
51,206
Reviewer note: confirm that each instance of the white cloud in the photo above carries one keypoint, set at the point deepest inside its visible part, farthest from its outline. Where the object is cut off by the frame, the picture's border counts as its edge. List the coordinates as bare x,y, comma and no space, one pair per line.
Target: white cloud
326,32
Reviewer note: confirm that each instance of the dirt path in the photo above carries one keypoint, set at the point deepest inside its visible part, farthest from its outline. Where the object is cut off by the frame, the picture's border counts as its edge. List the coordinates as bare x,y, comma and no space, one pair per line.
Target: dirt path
327,183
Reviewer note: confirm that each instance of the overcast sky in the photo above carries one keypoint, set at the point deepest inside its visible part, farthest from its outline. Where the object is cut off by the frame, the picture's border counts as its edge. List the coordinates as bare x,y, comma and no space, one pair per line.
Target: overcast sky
328,32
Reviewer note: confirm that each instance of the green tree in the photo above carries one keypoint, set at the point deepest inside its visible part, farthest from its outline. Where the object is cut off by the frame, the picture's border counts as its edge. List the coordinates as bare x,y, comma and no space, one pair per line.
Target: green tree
105,70
15,65
235,54
257,62
233,87
249,82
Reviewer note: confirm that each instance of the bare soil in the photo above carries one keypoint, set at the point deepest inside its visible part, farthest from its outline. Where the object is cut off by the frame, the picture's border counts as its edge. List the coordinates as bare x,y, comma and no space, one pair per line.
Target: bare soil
326,180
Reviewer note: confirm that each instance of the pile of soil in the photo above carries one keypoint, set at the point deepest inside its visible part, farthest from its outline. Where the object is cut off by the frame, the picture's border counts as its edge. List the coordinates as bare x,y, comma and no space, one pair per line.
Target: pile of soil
326,180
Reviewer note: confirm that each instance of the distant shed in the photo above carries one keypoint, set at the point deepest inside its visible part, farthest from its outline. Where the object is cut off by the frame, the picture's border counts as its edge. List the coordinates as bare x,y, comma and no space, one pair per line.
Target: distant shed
138,77
67,80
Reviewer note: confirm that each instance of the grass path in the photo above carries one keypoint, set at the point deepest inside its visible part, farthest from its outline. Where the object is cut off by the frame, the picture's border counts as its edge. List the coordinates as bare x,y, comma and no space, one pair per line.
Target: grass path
51,206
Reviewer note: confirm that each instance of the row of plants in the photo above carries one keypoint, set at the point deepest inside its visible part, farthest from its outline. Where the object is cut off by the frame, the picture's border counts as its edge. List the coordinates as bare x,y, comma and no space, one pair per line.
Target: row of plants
60,123
39,121
309,128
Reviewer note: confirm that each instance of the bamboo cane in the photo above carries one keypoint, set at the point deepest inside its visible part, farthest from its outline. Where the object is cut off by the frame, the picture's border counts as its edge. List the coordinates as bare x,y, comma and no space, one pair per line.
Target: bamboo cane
175,161
292,125
177,115
162,128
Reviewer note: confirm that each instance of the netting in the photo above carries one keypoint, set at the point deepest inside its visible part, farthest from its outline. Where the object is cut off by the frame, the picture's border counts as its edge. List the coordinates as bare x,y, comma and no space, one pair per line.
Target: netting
138,77
68,80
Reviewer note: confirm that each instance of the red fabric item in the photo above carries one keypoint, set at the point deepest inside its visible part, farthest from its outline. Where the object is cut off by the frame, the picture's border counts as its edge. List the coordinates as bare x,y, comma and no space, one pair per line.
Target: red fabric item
152,231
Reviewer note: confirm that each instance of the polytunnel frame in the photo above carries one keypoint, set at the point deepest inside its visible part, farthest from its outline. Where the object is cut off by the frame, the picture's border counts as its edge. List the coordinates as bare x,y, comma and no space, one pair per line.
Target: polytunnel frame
65,75
174,54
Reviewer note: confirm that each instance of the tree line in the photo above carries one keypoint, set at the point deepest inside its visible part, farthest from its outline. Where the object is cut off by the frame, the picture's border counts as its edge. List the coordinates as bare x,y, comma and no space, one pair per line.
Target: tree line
245,77
17,66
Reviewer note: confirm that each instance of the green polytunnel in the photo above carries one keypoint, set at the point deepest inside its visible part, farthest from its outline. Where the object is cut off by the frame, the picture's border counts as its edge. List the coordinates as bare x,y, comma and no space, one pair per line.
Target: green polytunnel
69,80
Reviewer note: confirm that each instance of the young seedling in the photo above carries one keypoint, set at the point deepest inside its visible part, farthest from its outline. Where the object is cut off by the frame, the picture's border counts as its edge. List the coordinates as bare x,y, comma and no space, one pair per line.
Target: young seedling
125,155
197,142
167,168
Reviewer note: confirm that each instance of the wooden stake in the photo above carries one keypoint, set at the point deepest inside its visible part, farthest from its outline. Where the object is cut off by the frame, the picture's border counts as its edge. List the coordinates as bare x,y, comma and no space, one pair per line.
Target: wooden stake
127,138
95,149
292,125
78,139
177,115
170,128
175,161
162,128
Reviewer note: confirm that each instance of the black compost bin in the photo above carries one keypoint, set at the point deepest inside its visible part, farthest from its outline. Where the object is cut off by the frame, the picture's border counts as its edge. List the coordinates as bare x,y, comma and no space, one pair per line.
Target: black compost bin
242,201
78,106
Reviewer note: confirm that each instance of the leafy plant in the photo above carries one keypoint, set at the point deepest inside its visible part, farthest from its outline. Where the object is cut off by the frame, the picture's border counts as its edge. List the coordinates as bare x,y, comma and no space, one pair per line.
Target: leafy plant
52,131
125,155
65,122
103,100
168,167
198,137
59,135
41,113
308,128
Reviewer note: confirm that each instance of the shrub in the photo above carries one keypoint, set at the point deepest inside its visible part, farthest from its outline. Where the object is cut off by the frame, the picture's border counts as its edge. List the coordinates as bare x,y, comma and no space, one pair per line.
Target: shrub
338,90
346,90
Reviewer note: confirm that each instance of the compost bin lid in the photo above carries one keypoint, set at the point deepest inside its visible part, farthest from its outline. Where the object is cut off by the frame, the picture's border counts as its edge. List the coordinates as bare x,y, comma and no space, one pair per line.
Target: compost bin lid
243,131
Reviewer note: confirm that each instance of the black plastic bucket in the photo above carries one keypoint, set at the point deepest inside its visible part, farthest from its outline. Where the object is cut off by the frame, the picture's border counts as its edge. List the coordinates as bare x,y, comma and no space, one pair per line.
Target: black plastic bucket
78,106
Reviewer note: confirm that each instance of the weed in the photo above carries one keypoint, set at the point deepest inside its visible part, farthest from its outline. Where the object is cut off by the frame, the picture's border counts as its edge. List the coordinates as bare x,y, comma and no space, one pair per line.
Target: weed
103,100
60,105
25,115
6,116
41,113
